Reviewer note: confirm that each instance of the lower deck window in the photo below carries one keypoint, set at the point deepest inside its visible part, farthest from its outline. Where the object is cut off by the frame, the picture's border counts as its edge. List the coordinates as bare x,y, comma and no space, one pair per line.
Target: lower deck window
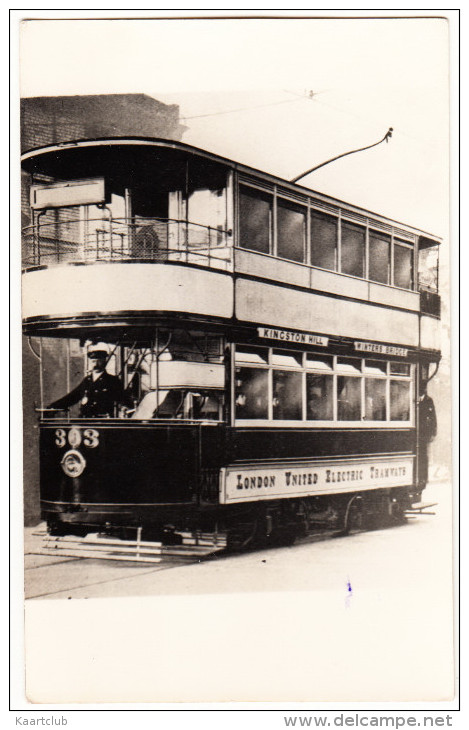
251,393
348,398
168,374
375,399
287,395
290,386
319,397
400,400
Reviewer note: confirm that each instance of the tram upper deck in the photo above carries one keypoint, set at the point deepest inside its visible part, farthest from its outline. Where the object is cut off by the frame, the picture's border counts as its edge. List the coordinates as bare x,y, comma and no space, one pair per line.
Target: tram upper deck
184,232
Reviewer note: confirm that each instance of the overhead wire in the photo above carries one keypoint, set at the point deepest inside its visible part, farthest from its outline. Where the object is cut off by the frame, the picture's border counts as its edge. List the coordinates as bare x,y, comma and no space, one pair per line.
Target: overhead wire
243,109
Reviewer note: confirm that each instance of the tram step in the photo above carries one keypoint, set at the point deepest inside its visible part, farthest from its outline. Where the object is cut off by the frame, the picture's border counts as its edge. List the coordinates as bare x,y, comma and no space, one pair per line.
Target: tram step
419,507
106,548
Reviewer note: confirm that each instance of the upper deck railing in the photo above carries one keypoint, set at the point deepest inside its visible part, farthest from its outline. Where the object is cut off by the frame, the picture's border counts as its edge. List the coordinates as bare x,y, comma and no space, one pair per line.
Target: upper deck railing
85,240
120,239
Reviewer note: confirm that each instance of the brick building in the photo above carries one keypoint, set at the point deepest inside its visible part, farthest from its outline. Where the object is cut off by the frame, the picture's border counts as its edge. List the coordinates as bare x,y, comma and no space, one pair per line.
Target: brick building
51,120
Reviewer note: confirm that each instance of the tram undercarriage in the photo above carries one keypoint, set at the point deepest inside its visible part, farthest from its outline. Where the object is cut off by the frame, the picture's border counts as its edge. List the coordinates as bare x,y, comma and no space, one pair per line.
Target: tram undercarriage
259,524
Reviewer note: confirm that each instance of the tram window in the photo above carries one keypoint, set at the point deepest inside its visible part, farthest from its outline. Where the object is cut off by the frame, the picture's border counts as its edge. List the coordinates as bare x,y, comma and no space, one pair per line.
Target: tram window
287,357
348,399
251,393
210,406
380,246
400,368
348,365
255,219
207,209
353,249
172,404
287,395
403,266
318,362
375,367
201,405
319,397
192,345
258,355
63,366
400,400
428,268
291,230
323,240
375,399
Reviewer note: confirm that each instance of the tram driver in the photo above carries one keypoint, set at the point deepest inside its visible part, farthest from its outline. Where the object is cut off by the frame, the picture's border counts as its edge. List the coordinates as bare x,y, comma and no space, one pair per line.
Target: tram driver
99,393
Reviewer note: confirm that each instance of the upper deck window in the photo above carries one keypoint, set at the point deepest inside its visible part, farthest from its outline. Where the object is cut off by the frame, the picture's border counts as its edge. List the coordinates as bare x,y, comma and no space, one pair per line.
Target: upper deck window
380,259
428,264
271,222
403,265
352,249
255,219
323,240
291,230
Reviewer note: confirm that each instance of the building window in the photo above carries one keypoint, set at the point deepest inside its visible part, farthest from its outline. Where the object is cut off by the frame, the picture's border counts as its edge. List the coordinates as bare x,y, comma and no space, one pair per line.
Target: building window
353,249
291,231
379,257
403,266
255,220
323,240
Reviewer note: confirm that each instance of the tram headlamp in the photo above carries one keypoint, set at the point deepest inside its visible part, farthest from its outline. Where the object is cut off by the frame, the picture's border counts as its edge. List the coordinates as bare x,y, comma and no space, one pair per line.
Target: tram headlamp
73,463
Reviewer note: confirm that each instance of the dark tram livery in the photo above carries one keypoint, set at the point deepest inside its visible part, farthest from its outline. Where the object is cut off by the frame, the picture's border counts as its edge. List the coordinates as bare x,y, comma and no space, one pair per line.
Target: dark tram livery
269,347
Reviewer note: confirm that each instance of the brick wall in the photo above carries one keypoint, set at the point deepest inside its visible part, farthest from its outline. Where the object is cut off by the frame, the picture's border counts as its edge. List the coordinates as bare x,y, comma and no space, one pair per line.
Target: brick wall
48,120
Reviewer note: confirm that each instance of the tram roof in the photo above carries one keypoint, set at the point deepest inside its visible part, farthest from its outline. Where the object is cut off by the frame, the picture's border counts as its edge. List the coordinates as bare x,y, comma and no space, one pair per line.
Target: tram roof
51,161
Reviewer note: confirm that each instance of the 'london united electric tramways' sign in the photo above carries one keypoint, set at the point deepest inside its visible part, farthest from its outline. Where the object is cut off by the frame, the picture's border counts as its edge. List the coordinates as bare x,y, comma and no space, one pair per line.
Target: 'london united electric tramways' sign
271,333
298,480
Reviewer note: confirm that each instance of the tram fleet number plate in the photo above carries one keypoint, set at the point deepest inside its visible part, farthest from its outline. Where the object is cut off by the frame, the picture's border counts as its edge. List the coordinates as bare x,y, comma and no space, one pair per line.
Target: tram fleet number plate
279,481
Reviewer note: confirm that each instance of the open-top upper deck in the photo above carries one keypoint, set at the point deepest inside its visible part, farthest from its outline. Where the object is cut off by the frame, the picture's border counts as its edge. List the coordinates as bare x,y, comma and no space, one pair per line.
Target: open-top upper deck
219,234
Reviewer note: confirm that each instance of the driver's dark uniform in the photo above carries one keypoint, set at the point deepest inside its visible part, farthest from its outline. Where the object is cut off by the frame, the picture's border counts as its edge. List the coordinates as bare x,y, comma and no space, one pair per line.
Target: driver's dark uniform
97,397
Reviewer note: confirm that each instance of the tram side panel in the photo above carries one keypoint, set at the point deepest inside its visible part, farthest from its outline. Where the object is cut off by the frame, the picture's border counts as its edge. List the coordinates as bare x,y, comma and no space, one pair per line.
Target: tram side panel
261,444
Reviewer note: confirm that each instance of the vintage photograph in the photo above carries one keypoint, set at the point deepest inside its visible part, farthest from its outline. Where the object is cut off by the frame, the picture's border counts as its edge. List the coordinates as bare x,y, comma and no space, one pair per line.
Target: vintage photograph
236,354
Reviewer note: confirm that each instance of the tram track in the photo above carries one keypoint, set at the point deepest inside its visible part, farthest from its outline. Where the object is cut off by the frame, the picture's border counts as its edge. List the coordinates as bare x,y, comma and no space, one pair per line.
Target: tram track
54,573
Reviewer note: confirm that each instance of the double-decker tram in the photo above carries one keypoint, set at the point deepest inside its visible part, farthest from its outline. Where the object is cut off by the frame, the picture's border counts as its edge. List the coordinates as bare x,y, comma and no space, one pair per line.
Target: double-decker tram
221,350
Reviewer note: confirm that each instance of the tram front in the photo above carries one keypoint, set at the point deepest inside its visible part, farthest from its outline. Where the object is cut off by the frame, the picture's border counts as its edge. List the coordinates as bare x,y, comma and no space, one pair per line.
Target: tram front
126,289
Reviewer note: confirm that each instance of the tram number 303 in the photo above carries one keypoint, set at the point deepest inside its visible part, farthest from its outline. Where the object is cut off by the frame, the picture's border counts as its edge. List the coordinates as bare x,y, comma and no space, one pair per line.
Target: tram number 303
90,438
